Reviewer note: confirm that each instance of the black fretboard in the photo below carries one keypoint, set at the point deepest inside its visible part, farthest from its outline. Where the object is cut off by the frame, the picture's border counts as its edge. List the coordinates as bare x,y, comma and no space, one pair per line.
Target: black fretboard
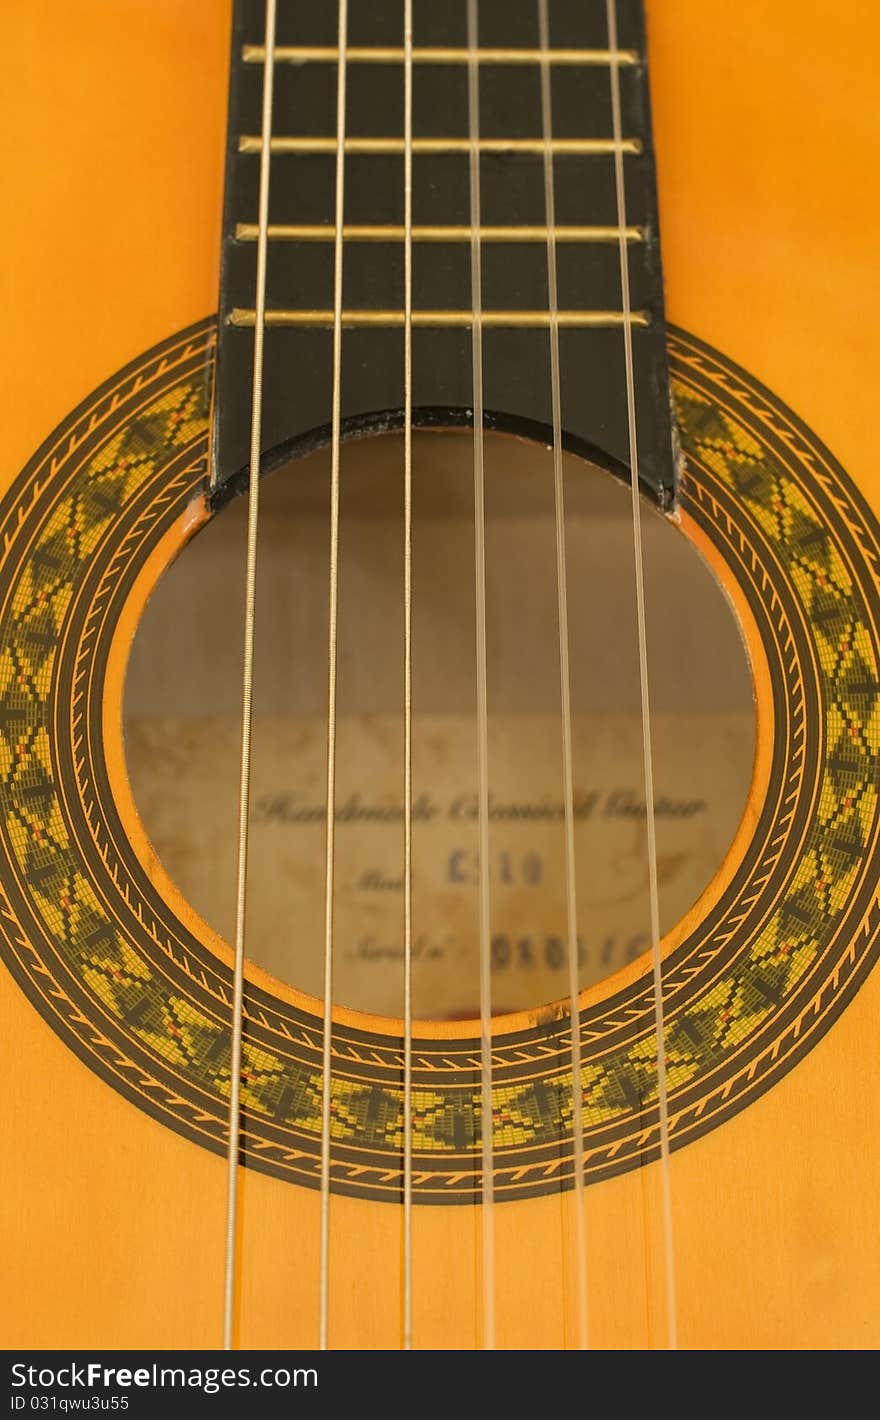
513,227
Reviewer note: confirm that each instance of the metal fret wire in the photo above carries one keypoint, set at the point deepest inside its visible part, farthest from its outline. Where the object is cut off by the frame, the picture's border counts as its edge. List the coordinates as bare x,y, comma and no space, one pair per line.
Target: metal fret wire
488,1183
580,1240
431,54
392,232
577,320
331,685
407,687
647,754
247,698
291,143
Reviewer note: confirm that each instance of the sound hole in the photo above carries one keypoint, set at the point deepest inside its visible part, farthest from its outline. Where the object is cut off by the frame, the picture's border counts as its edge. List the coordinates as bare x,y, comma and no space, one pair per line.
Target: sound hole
183,707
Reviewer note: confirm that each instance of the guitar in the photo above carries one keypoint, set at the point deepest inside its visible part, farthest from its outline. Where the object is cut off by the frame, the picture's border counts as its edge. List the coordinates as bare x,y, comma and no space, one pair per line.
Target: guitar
563,711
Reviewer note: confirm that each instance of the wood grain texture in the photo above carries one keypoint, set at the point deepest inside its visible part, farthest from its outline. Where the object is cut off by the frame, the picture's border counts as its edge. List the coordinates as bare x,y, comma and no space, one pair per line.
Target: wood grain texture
112,1225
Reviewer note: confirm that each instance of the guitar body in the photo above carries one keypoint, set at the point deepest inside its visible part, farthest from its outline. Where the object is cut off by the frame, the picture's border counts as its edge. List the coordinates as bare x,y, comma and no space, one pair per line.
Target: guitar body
112,1222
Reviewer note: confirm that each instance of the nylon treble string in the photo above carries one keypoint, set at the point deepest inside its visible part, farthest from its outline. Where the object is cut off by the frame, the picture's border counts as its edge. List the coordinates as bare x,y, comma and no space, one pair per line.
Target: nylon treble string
486,1140
330,858
580,1235
407,683
647,753
230,1270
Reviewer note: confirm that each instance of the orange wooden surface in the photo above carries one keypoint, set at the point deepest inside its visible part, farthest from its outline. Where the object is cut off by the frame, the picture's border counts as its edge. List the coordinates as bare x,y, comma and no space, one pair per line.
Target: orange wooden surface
112,1226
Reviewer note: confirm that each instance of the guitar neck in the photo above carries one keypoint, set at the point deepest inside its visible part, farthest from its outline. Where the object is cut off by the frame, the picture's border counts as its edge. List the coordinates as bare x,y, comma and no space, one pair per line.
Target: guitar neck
518,243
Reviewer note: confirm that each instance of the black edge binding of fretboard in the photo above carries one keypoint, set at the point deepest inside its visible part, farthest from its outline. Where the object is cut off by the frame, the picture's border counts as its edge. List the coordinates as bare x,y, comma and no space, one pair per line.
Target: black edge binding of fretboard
297,362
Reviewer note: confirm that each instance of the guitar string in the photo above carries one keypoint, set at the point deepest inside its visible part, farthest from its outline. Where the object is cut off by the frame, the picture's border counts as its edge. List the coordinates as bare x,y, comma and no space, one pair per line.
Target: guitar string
487,1192
647,753
330,859
253,509
580,1237
247,696
407,685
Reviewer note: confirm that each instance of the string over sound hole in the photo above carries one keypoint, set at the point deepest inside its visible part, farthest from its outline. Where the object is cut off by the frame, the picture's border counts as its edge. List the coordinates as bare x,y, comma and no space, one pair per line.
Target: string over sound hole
182,725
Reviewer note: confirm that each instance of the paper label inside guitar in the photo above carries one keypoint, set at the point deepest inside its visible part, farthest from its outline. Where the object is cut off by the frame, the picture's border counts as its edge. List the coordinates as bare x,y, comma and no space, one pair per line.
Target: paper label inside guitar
184,777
